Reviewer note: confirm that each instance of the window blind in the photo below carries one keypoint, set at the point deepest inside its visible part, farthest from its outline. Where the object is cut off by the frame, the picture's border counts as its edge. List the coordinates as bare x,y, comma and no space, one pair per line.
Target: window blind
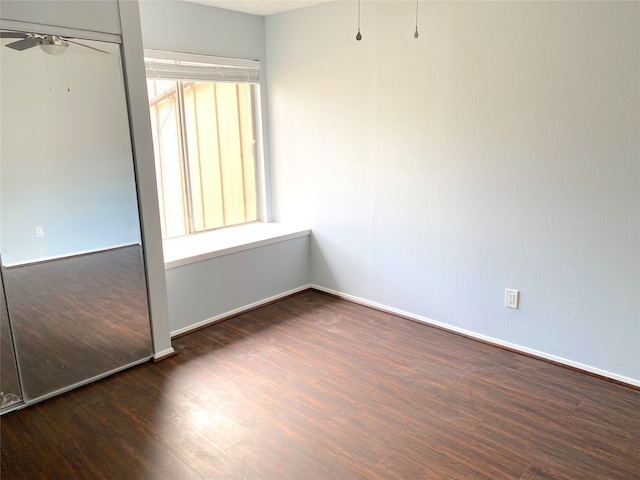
194,71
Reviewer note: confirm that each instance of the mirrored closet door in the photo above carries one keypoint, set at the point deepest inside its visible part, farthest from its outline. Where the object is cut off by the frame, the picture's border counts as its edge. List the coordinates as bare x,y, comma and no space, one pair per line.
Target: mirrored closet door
10,391
75,305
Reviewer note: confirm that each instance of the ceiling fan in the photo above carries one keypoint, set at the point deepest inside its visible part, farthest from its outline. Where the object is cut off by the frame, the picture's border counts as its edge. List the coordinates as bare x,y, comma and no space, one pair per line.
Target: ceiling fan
51,44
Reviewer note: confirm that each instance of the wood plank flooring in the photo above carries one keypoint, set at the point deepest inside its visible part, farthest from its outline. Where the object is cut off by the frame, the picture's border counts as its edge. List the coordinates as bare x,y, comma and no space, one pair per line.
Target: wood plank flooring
313,387
10,392
77,317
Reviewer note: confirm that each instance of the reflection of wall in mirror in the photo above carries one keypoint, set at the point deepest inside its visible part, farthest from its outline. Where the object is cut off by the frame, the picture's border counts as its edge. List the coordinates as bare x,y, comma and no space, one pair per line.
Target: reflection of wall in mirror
65,157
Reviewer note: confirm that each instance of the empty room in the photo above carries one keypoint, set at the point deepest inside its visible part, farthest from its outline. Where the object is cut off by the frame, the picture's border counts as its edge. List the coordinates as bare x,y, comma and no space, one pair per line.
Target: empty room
320,239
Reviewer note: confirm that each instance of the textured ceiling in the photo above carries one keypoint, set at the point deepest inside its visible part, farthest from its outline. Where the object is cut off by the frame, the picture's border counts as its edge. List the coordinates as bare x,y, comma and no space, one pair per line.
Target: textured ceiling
259,7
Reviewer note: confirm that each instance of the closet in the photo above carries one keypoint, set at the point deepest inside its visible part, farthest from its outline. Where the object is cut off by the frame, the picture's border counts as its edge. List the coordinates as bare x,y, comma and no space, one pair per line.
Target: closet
74,304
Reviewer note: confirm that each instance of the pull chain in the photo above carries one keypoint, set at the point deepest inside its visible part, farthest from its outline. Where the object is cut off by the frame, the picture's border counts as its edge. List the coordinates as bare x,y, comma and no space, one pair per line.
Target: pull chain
415,35
66,71
358,36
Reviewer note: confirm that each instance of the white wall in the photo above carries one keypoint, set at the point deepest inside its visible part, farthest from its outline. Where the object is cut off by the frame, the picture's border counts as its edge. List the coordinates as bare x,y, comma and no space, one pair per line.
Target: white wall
205,291
90,15
178,26
499,150
65,154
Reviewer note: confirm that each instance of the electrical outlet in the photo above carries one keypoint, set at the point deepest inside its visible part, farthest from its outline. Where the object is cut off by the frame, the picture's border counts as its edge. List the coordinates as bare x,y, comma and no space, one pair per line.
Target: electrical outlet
39,232
511,298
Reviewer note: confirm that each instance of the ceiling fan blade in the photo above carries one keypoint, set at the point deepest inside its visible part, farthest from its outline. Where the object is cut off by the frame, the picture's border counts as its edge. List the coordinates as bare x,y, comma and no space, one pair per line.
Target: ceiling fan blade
83,45
13,35
23,44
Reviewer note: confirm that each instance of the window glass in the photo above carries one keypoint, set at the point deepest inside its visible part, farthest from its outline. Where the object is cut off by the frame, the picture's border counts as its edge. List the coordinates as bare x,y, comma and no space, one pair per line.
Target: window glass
204,144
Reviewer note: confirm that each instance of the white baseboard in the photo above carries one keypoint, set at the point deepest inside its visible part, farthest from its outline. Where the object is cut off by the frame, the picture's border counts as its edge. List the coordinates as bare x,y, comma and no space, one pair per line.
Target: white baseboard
412,316
78,253
244,308
479,336
163,354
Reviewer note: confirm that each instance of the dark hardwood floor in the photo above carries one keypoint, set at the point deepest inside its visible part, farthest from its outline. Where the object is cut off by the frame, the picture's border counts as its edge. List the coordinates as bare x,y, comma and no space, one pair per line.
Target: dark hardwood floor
77,317
312,387
10,392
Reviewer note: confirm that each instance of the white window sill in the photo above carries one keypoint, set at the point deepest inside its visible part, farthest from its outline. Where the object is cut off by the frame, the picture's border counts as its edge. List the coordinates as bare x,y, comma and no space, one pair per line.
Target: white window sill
203,246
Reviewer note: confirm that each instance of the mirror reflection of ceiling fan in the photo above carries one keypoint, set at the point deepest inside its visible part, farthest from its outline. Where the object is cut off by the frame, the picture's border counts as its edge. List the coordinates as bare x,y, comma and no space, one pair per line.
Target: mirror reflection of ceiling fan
51,44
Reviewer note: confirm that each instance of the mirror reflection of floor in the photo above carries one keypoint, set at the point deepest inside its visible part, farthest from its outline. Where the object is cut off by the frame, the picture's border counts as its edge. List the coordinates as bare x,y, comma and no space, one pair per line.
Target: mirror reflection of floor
10,392
78,317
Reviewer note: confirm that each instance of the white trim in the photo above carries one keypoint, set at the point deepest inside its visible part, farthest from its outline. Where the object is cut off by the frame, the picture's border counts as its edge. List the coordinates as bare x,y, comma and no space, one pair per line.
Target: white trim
478,336
208,59
264,214
68,388
77,33
237,311
71,254
202,246
164,353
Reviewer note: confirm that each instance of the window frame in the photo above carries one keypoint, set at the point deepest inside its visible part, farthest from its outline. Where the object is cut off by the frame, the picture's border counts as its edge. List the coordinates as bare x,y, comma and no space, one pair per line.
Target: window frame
258,119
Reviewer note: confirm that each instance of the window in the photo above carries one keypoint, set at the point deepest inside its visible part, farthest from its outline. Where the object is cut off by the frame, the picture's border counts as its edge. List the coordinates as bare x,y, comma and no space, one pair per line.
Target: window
204,124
